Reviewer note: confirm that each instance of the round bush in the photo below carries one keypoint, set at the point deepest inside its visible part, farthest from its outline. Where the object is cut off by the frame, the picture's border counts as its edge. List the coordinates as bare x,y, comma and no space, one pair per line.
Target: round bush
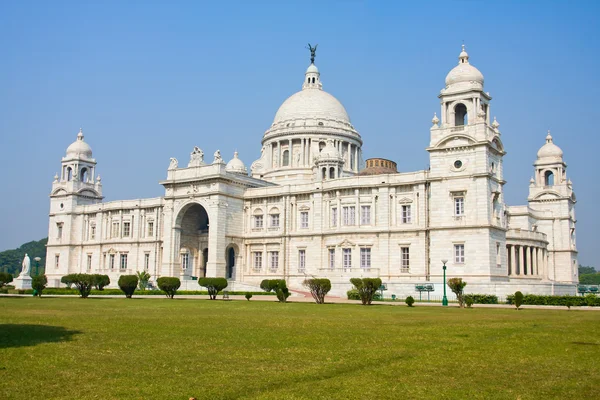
128,284
409,301
169,285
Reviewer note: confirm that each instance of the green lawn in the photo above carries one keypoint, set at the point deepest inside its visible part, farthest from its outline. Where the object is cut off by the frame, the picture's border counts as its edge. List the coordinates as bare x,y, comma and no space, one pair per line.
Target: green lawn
71,348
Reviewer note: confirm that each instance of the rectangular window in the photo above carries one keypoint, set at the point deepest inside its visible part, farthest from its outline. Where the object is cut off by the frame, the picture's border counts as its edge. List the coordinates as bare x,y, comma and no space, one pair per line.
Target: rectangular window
257,260
126,229
405,261
56,261
275,220
334,216
258,221
459,253
348,215
89,262
151,229
111,261
347,258
115,229
365,257
274,258
185,261
331,259
365,215
301,260
147,261
59,229
304,219
123,261
459,206
498,255
406,214
92,232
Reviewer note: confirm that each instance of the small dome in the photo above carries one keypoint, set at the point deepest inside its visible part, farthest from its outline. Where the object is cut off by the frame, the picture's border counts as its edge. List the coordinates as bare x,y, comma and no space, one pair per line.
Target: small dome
329,152
236,165
550,151
464,72
312,68
79,148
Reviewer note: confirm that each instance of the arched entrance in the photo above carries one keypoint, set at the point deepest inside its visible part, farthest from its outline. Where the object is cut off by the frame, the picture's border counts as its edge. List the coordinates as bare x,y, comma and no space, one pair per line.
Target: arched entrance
191,248
230,263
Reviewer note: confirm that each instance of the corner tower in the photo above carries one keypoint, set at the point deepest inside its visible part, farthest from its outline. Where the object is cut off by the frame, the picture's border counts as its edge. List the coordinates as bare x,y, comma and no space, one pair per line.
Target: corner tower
302,128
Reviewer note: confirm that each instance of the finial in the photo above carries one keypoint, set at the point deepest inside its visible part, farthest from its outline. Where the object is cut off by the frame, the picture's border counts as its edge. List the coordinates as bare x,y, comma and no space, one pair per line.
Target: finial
463,46
495,124
98,179
548,137
56,177
531,181
80,134
435,119
235,154
313,51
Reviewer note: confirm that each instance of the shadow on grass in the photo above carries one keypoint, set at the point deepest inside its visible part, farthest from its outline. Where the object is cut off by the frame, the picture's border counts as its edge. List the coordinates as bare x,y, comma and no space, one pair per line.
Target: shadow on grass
20,335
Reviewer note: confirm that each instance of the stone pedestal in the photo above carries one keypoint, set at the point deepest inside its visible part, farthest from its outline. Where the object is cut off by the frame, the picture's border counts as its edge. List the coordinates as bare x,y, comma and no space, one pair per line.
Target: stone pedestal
22,282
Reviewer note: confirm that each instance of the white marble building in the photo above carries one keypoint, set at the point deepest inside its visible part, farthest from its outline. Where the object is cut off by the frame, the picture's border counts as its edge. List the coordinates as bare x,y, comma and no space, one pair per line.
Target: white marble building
308,207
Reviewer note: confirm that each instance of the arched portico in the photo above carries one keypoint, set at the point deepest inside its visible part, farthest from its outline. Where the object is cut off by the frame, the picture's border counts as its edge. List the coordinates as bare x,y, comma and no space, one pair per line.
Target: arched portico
191,241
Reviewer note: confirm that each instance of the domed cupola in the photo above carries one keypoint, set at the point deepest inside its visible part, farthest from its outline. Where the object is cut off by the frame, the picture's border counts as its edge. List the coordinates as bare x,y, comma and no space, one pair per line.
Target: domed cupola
550,169
300,129
79,148
549,152
464,74
236,166
329,163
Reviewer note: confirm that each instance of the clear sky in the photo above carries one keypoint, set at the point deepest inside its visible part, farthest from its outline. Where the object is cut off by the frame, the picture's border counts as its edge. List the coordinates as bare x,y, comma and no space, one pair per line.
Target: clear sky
149,80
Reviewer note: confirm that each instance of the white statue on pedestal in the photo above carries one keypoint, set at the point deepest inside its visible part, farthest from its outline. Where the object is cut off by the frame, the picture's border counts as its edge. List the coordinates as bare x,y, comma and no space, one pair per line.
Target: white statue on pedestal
26,264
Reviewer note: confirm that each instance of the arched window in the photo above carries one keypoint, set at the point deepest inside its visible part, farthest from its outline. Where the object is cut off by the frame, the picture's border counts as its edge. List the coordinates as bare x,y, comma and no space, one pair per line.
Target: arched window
460,115
286,158
307,80
324,176
84,175
313,80
331,173
69,173
549,178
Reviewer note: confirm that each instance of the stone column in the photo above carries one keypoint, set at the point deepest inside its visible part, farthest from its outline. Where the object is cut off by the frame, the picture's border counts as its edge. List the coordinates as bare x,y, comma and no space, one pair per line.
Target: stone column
527,260
355,158
290,154
513,264
520,273
534,262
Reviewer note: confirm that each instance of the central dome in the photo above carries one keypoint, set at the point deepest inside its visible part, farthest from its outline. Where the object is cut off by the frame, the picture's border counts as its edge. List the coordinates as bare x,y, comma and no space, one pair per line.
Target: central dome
311,104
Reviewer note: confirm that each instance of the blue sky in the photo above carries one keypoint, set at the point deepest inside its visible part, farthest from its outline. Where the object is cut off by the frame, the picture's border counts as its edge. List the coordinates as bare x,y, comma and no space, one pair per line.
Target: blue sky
149,80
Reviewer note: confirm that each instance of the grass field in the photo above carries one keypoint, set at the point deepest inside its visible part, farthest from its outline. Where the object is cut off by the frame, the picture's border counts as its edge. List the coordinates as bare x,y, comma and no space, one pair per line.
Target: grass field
71,348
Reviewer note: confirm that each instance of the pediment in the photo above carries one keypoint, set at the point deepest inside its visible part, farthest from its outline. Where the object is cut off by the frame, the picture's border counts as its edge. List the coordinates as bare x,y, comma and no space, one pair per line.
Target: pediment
346,243
455,141
304,208
405,200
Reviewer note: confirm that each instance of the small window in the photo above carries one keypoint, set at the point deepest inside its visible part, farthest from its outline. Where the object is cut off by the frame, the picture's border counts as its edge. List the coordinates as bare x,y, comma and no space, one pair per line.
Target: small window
84,175
57,261
185,261
59,230
286,158
349,215
498,255
150,229
274,220
258,260
92,232
147,261
332,259
274,261
123,261
111,261
301,260
365,215
405,261
460,115
115,229
459,253
459,206
126,229
365,257
458,164
334,216
258,221
406,214
347,259
331,173
89,262
549,178
304,219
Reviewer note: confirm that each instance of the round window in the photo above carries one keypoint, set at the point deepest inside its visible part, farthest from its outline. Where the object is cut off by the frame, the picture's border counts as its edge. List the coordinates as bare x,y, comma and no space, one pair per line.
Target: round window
457,164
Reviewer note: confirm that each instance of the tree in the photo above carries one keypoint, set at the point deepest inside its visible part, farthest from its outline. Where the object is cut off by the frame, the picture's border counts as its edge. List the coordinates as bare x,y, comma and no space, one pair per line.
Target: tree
278,286
248,296
143,278
457,285
5,278
100,281
269,285
38,284
128,284
518,300
169,285
67,280
213,285
318,288
583,270
83,283
10,260
409,301
366,288
590,279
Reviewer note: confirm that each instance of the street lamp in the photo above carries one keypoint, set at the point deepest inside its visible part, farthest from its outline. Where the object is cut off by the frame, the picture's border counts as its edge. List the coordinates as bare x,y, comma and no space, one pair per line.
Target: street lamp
444,299
37,265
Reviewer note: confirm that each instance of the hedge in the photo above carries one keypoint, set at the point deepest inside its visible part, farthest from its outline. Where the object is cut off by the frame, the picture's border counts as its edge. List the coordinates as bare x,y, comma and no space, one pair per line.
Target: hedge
109,292
482,298
538,300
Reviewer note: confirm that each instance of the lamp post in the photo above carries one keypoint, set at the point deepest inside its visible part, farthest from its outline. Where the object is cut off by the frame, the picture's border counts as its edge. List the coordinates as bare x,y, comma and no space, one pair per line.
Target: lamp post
37,265
444,299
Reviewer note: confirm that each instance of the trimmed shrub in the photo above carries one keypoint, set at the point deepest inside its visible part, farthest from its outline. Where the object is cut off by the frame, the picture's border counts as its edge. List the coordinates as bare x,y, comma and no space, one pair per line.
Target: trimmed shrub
169,285
469,301
318,288
278,286
5,278
38,284
590,300
482,298
409,301
352,294
100,281
457,286
67,281
248,296
539,300
366,288
213,285
518,299
128,284
143,279
83,283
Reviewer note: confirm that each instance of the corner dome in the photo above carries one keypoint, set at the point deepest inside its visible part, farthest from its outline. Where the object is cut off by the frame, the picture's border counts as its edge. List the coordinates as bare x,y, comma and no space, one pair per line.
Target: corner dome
464,72
79,148
236,165
311,104
550,151
329,152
